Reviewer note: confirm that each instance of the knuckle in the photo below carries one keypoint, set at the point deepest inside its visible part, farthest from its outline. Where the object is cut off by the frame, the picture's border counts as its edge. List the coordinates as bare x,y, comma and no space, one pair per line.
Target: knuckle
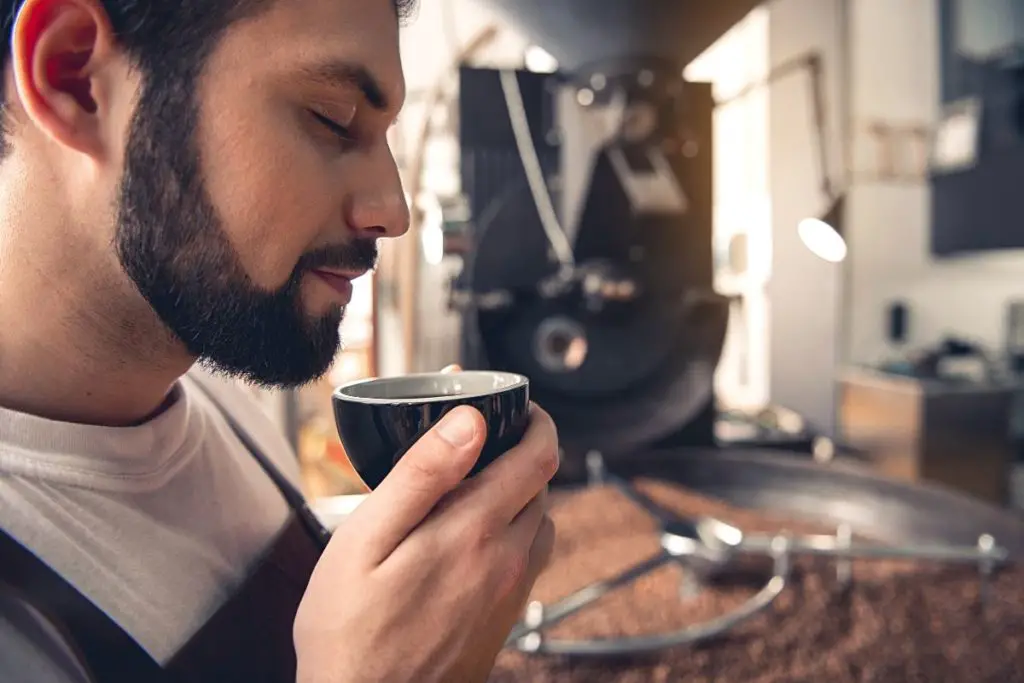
512,571
423,471
549,456
552,462
475,535
543,445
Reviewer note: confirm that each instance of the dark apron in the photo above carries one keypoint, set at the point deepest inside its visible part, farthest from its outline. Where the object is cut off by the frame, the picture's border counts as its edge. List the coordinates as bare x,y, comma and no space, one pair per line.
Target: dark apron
248,639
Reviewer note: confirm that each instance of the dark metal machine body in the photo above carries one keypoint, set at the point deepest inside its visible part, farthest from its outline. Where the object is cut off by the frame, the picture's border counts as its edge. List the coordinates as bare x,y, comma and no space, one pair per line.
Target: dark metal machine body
629,329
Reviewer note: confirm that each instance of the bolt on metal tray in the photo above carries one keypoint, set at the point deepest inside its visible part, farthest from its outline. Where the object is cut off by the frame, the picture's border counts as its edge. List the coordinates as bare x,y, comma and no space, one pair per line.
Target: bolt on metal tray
703,545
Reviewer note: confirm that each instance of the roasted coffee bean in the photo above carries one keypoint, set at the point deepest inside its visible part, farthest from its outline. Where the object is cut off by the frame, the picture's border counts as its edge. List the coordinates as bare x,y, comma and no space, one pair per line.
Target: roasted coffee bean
899,621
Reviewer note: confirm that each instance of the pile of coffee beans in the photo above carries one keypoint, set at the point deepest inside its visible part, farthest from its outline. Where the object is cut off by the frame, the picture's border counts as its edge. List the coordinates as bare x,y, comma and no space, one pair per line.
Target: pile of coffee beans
898,622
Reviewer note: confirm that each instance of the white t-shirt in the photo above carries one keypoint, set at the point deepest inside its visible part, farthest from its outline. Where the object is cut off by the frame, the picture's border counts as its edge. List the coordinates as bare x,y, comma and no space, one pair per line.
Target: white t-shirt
157,524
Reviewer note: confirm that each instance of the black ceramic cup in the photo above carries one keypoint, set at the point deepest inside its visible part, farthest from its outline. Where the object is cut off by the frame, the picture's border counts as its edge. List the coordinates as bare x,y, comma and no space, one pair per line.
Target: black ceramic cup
378,420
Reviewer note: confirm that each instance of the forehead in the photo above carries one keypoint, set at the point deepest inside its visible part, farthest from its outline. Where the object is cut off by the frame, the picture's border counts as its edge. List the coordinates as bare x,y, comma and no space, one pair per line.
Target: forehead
295,36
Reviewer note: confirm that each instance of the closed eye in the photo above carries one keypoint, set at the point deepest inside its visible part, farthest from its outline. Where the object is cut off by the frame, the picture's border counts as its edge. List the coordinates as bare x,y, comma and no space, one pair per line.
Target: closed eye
334,127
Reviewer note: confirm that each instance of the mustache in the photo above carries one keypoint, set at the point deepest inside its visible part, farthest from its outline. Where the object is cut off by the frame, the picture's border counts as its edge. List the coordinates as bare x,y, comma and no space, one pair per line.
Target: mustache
360,254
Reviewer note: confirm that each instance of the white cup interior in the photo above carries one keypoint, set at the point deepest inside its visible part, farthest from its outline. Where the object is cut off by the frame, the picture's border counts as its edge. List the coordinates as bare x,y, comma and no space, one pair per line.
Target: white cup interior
425,388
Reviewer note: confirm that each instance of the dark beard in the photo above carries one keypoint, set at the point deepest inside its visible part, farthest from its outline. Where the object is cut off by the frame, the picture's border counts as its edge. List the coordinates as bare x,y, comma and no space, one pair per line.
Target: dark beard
170,242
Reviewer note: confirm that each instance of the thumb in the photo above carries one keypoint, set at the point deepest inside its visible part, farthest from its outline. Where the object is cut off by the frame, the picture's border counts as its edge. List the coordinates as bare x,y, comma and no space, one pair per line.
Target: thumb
432,468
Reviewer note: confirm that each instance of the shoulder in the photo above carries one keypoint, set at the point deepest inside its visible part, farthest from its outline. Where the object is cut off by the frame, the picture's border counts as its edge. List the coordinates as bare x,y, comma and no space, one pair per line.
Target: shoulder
259,413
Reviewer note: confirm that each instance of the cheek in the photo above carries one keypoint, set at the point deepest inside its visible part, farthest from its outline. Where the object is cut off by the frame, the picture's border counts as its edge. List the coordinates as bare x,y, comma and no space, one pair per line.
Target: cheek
269,186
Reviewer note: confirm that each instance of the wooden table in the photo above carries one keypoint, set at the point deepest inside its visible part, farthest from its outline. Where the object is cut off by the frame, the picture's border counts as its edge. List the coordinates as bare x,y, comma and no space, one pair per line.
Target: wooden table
953,434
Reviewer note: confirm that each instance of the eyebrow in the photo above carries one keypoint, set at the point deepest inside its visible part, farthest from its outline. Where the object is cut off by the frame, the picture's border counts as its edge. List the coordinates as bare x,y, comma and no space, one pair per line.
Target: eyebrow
348,74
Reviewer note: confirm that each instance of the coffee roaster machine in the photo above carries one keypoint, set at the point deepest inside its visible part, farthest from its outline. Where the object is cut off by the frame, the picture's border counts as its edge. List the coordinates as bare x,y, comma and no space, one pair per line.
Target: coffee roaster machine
588,267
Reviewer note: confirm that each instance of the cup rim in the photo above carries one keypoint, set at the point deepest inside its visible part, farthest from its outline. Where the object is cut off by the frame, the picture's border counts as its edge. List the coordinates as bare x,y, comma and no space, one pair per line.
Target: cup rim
515,382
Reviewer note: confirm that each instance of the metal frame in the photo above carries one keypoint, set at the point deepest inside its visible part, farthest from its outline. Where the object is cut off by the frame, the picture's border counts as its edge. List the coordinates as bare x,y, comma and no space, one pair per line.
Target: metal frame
704,544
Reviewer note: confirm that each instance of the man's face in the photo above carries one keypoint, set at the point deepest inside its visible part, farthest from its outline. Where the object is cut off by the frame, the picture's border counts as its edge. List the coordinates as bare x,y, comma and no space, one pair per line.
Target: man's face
248,201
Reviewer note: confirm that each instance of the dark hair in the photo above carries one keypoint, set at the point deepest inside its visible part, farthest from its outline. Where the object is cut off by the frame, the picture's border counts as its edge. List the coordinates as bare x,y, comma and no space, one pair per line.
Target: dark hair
162,37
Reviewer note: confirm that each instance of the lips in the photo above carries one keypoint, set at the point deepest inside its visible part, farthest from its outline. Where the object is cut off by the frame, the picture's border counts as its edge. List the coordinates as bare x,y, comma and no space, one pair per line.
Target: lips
341,283
346,274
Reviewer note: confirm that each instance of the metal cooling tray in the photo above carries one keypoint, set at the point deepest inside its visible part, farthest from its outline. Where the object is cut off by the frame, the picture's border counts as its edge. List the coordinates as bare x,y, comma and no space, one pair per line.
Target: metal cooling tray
835,493
904,522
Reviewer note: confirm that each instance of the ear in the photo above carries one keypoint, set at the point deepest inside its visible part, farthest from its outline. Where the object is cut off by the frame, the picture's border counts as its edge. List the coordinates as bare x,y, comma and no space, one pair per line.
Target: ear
59,49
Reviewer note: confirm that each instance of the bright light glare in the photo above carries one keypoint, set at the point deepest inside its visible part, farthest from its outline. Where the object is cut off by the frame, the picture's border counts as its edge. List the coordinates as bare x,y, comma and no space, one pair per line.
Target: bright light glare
433,244
431,230
539,60
822,239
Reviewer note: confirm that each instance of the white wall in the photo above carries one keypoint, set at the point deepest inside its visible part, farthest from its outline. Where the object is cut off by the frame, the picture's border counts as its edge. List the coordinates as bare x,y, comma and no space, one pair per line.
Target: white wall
895,78
892,78
742,207
803,290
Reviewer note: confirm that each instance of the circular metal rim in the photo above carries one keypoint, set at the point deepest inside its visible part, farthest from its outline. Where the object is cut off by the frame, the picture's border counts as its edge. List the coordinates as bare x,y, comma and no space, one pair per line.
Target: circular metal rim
837,493
612,647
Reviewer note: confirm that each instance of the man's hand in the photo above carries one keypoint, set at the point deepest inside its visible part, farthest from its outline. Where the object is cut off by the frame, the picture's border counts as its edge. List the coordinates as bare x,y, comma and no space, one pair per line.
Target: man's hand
476,665
424,581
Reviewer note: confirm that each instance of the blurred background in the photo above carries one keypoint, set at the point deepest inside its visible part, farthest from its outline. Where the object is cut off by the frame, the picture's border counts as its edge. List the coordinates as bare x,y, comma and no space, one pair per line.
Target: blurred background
789,224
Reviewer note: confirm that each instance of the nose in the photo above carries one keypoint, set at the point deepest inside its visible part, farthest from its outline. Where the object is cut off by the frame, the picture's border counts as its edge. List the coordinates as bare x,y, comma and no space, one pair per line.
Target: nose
376,201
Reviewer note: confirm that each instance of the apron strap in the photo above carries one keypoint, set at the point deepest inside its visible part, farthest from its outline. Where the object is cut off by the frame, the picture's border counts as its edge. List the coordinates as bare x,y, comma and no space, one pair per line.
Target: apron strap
104,649
249,638
296,501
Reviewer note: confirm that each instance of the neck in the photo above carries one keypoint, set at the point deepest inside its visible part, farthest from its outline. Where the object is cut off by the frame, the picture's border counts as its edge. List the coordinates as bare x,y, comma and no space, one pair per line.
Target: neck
78,343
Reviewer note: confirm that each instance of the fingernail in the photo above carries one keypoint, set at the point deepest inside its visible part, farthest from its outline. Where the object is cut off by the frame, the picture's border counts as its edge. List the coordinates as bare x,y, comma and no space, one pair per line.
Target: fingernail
457,427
